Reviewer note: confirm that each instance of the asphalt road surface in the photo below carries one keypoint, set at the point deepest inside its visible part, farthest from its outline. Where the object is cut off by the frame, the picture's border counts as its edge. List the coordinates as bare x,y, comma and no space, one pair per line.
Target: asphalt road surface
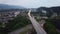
36,25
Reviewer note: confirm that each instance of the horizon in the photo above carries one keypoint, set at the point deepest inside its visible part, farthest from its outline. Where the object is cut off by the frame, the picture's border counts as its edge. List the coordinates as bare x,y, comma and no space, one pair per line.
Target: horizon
32,3
26,7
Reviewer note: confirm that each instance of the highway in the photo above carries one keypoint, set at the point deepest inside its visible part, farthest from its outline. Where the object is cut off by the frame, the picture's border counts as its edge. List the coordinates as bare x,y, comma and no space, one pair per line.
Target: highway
36,25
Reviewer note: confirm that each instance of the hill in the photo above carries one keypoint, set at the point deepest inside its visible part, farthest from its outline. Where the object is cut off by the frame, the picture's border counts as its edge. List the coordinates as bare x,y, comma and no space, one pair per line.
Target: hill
50,9
5,6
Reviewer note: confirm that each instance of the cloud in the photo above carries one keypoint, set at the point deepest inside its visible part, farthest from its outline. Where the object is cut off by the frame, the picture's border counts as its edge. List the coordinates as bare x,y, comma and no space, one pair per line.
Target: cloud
32,3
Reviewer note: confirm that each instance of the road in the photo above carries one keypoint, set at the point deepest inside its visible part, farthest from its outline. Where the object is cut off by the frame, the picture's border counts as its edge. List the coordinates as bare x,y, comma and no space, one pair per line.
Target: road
36,25
28,27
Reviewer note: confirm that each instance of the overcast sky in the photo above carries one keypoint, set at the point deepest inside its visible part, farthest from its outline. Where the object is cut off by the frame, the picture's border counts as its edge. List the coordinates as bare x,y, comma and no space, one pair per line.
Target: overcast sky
32,3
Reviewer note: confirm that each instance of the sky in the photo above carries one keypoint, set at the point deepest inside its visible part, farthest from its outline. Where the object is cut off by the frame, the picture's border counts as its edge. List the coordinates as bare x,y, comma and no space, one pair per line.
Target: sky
32,3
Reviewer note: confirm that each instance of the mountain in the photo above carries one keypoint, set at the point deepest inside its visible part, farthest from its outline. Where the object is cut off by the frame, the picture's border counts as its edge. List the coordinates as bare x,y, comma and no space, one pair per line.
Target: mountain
5,6
50,9
55,9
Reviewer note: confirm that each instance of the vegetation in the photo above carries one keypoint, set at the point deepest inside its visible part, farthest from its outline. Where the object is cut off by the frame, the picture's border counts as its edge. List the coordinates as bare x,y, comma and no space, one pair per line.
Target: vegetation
16,23
51,25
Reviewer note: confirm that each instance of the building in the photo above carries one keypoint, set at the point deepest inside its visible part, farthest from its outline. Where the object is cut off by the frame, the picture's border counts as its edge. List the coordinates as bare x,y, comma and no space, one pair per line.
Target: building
7,15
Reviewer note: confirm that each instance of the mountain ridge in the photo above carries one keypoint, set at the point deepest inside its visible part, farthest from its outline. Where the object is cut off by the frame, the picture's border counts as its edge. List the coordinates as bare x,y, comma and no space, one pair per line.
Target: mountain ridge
6,6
